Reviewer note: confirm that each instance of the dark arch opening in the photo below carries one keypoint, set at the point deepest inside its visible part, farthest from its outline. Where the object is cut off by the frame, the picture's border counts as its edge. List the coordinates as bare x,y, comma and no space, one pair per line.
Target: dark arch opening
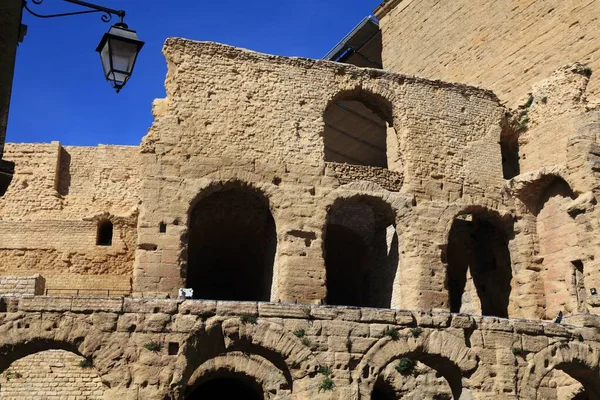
104,234
586,376
382,390
231,249
386,388
361,254
509,149
356,132
228,387
476,244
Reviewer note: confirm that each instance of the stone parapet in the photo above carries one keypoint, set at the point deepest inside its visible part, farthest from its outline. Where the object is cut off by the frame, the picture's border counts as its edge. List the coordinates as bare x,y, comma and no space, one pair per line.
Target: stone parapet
156,348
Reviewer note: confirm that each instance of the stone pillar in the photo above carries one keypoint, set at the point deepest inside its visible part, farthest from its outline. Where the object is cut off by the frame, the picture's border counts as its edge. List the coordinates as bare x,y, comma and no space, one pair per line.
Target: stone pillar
10,27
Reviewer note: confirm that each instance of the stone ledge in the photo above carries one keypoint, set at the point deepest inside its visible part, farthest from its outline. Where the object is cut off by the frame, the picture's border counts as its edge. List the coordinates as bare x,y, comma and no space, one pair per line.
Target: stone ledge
209,308
150,306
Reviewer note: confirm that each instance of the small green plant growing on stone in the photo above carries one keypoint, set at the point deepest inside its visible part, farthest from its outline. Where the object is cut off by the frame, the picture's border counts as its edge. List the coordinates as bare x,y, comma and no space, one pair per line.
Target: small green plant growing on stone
587,71
248,319
301,333
522,120
405,366
416,332
392,333
517,351
544,100
327,383
580,337
528,103
13,375
86,363
153,346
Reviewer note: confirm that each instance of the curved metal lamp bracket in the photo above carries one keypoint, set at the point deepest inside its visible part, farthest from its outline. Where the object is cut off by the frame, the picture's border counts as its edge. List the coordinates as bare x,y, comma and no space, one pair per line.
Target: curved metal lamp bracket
106,16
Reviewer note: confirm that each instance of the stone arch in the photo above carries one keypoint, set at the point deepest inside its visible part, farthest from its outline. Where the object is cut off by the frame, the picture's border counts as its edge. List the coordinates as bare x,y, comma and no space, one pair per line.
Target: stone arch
281,348
33,375
31,335
578,360
439,350
251,368
548,195
530,187
232,243
361,251
478,262
359,130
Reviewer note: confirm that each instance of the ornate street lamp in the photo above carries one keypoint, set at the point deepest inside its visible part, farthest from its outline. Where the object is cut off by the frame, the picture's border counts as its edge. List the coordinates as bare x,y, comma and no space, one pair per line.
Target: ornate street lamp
118,48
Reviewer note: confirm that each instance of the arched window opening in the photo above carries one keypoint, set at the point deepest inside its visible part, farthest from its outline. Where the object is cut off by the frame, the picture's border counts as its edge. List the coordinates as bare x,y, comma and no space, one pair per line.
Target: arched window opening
104,235
228,388
479,266
231,249
361,254
356,133
509,149
557,233
31,376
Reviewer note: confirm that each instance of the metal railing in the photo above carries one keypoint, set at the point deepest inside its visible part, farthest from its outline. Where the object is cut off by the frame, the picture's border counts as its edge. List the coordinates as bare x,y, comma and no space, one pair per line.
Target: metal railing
90,292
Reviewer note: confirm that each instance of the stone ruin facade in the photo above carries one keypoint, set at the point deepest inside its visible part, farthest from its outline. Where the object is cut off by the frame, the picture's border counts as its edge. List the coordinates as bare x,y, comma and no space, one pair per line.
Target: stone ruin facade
348,233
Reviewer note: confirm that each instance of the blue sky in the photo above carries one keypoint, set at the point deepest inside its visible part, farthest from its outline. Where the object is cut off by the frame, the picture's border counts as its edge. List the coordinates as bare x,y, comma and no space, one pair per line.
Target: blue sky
59,92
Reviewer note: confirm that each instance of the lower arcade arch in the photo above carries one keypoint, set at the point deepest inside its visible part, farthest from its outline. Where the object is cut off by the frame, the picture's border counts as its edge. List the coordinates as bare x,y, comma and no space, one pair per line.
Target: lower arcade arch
433,366
479,271
33,375
238,375
566,371
419,382
232,244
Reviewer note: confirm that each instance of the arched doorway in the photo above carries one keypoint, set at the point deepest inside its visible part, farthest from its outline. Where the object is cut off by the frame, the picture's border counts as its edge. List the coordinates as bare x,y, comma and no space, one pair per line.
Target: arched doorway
361,253
232,244
562,267
479,266
227,387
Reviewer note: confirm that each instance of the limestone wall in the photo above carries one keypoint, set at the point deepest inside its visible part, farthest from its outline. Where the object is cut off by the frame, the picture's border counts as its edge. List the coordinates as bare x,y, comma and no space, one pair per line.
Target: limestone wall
49,217
506,46
154,349
234,118
22,285
51,374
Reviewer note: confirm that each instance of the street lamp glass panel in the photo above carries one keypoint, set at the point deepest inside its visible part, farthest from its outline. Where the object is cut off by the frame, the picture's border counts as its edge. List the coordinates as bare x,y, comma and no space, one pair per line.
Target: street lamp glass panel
118,50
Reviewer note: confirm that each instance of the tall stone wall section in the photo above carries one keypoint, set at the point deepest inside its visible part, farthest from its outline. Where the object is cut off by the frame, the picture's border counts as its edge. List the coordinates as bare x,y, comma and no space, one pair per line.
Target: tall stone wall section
506,46
49,217
267,133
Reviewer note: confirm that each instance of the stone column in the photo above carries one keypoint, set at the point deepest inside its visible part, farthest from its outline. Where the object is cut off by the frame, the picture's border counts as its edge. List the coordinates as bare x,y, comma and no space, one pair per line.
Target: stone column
10,27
